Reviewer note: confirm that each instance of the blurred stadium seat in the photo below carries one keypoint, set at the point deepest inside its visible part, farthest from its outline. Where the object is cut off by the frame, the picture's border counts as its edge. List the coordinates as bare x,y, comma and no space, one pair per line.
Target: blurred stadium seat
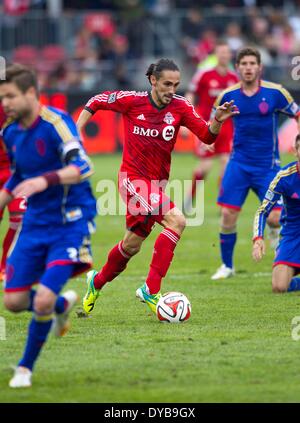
26,55
52,55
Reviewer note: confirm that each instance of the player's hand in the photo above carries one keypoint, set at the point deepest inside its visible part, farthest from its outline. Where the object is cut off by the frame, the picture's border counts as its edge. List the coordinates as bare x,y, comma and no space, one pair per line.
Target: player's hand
258,249
210,147
30,186
226,110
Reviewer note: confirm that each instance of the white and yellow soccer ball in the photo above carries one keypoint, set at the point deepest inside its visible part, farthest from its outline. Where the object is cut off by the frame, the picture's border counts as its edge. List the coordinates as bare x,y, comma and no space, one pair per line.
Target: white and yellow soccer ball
173,307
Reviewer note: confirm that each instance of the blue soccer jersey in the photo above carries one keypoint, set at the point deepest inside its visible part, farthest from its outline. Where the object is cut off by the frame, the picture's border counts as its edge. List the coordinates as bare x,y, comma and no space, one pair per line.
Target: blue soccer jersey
255,141
286,184
51,143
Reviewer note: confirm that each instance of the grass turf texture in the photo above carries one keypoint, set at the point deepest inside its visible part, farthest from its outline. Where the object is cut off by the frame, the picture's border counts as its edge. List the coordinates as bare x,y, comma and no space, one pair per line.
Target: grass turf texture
236,347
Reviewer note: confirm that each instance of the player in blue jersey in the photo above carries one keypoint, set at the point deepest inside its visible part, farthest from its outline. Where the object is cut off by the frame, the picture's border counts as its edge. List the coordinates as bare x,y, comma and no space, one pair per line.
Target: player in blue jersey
287,259
50,168
254,160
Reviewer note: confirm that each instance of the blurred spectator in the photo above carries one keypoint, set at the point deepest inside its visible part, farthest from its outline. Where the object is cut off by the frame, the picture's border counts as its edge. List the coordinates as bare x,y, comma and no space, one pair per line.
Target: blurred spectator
84,44
234,37
120,56
192,28
286,41
198,52
132,15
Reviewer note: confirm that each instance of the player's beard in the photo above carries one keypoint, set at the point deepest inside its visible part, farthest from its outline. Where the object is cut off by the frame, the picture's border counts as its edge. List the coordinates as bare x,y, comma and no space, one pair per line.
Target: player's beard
162,98
23,114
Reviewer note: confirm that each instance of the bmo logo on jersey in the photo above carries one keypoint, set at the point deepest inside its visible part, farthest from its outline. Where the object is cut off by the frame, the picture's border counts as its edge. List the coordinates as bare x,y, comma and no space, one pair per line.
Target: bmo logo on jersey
168,132
145,132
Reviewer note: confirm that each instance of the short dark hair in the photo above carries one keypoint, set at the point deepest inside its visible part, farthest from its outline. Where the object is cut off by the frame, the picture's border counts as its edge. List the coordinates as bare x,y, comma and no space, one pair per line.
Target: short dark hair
221,42
248,51
157,68
297,139
22,76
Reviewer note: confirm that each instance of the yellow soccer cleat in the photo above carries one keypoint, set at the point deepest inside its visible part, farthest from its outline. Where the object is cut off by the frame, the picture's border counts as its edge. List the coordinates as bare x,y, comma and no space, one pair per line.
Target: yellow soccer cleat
92,293
150,299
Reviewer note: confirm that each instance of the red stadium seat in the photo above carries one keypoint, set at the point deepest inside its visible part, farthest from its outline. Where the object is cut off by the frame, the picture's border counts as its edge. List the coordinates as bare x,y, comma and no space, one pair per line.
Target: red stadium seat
26,55
51,56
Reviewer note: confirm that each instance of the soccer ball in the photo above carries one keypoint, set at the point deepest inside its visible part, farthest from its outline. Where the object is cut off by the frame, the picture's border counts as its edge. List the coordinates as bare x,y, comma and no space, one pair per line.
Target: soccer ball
173,307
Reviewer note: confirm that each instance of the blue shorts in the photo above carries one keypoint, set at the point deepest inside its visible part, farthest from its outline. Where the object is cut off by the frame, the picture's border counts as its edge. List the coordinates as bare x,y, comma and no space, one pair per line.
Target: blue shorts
238,179
40,248
288,252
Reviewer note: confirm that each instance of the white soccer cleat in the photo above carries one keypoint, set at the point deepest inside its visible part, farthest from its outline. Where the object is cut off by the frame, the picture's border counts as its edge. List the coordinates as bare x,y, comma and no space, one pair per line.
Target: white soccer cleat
223,272
61,322
21,378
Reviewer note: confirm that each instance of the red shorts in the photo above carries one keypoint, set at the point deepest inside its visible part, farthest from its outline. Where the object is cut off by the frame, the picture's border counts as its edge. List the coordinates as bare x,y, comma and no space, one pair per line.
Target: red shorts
222,145
17,205
146,203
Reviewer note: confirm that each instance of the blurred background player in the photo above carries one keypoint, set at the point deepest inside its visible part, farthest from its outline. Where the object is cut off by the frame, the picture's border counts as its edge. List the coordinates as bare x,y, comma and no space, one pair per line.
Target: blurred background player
151,121
204,88
255,158
287,260
50,168
16,208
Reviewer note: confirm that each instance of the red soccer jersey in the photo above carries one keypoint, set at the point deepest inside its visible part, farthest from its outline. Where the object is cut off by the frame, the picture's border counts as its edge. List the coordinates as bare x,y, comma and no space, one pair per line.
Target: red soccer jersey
150,131
207,85
4,161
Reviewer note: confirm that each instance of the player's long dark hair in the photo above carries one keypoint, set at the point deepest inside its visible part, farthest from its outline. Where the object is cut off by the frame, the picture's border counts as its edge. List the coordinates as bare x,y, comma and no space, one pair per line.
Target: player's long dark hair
157,68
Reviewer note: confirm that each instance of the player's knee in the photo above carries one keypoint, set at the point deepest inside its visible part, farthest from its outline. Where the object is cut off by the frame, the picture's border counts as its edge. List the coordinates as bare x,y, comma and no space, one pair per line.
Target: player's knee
177,223
228,218
43,304
278,287
12,303
131,248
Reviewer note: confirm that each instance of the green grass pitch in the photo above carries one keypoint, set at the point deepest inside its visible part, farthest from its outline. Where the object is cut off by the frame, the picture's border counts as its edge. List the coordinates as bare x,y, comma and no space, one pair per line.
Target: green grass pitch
236,347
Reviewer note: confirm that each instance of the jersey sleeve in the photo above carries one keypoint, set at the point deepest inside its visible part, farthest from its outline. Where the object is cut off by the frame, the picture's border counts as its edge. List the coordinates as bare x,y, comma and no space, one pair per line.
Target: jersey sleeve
196,124
272,195
286,103
117,101
70,146
14,180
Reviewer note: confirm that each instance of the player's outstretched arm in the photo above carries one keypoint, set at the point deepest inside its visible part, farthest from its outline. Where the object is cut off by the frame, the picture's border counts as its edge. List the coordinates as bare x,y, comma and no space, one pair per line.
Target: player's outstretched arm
223,112
65,176
226,110
84,117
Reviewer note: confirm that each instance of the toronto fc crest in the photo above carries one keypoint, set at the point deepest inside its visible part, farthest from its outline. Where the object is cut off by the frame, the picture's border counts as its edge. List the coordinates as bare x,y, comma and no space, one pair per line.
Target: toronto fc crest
169,119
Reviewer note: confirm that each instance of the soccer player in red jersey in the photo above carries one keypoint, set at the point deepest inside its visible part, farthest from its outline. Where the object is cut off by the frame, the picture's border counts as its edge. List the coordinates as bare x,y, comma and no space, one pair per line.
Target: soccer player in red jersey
151,121
205,87
16,208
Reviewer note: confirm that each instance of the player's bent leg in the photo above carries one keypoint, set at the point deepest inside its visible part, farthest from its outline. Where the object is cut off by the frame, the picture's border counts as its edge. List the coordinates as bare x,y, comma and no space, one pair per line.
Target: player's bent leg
16,301
228,237
39,328
199,174
174,224
281,278
174,220
54,279
15,221
116,263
